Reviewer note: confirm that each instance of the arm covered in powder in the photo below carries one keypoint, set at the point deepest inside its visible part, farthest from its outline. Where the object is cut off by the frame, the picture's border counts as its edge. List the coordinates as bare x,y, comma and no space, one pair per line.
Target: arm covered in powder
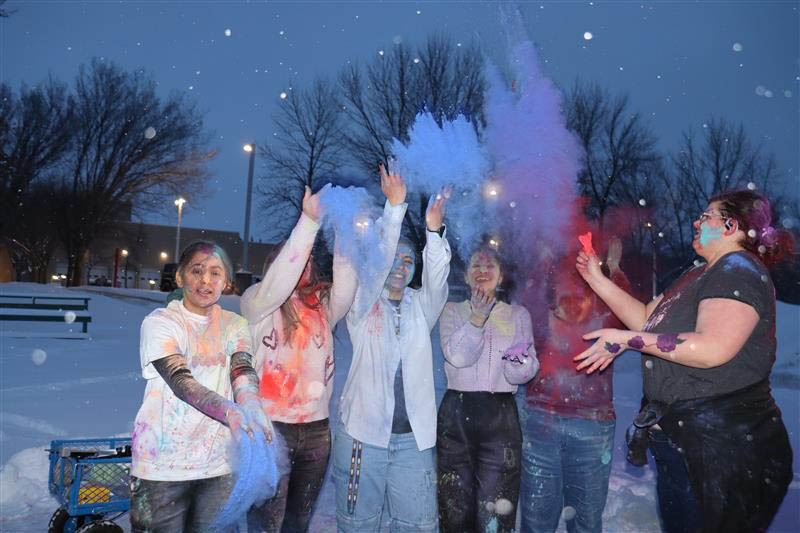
343,290
244,383
179,379
369,290
462,342
520,363
265,297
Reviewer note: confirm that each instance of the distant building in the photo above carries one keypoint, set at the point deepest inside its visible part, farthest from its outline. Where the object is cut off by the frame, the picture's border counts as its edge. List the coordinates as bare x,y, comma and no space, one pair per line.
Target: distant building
149,247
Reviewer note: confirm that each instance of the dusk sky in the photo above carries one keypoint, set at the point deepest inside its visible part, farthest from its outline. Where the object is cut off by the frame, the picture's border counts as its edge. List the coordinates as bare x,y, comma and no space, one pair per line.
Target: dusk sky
681,62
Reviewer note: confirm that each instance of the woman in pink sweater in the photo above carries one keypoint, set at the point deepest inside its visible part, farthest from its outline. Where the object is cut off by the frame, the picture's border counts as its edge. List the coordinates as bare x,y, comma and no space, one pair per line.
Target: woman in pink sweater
292,314
487,347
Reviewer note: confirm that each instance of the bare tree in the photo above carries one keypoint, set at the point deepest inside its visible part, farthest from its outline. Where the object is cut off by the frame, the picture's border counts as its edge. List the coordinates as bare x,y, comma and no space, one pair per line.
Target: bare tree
35,134
722,158
306,146
383,98
5,13
130,147
619,147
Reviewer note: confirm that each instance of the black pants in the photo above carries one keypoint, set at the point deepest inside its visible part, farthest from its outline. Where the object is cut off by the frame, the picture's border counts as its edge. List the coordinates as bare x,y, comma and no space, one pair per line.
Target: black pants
309,447
738,456
678,508
479,448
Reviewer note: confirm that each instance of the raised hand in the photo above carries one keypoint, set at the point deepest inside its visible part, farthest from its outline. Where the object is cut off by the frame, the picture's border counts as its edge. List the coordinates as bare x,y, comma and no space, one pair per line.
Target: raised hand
392,185
311,204
481,304
434,215
588,267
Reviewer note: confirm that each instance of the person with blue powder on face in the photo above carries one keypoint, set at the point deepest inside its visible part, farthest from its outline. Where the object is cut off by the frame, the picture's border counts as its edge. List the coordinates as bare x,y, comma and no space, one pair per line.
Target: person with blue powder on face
708,346
383,451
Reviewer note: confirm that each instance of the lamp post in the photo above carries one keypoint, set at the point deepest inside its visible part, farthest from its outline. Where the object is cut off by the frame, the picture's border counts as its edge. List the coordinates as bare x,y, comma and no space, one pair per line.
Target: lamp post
244,277
179,203
125,255
250,149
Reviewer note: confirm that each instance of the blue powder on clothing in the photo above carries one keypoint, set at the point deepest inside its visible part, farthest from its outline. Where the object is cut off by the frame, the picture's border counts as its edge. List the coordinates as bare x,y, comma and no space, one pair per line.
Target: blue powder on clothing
741,262
258,468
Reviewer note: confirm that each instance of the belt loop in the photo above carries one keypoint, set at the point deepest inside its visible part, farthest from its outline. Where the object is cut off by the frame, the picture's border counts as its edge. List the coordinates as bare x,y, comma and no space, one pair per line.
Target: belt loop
355,475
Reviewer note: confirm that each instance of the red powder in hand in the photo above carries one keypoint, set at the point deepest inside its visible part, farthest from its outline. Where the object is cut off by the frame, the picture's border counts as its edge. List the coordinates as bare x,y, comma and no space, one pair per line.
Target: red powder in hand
586,242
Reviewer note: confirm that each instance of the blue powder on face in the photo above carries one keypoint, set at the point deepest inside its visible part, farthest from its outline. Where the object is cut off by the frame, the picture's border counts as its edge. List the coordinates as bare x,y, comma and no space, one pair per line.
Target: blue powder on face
708,234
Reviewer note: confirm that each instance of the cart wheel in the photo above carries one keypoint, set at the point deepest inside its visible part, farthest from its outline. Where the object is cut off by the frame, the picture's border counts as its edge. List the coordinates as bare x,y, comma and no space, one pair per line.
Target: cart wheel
58,521
60,518
100,526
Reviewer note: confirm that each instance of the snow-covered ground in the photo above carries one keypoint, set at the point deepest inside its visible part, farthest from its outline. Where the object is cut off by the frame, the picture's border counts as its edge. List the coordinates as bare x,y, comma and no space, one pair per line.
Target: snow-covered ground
93,388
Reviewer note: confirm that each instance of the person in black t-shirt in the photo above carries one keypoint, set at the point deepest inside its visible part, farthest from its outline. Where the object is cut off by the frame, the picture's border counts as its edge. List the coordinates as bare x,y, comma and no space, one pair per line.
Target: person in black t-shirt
708,346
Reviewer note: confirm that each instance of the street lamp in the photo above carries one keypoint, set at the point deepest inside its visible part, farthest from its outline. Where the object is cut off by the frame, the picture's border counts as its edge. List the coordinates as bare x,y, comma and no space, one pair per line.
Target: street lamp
125,255
163,256
249,148
179,203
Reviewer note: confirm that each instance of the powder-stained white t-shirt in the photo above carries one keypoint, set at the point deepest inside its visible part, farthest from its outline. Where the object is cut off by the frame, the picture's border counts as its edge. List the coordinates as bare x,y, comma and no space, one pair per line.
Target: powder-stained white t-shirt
173,441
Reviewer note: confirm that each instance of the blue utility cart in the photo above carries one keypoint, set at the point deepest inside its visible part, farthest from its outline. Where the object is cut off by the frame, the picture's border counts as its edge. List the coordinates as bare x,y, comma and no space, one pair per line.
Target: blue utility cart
91,480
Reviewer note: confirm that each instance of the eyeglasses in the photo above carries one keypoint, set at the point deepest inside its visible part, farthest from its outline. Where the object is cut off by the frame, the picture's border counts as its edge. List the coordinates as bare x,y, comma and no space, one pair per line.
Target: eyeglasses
709,214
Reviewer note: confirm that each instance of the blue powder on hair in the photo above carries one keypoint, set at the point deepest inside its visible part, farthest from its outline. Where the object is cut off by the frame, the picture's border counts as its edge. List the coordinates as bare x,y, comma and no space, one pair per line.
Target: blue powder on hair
258,466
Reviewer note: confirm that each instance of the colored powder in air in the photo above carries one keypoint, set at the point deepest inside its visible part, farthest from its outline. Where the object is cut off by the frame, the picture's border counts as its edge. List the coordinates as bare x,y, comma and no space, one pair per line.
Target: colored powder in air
258,466
349,218
447,156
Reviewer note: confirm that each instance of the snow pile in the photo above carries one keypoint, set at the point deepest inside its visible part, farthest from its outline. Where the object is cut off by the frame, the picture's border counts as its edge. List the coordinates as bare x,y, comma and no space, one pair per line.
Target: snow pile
23,486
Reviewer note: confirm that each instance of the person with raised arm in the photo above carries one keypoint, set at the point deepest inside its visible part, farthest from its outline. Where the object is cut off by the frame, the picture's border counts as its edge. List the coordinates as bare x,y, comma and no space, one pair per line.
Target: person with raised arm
384,447
292,314
708,346
568,418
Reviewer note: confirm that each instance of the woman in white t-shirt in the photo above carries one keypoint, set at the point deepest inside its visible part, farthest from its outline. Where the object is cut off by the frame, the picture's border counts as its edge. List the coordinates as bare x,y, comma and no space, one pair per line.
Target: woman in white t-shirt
196,358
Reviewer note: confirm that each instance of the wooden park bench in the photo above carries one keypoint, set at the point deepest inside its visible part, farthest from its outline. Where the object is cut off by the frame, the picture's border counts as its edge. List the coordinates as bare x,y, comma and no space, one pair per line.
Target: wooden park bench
34,308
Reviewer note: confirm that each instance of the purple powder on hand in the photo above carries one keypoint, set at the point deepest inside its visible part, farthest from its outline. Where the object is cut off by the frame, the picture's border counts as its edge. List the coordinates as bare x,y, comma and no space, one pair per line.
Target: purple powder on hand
612,348
637,343
667,343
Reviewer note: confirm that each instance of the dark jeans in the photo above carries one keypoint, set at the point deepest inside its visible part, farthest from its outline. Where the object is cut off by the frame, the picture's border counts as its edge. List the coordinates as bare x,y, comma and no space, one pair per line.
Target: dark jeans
176,506
478,446
678,507
309,447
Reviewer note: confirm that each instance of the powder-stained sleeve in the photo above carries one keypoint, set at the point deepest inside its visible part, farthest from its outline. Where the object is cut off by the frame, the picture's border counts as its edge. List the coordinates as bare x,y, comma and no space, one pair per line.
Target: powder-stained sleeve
343,290
435,269
519,370
160,336
265,297
370,289
462,343
179,379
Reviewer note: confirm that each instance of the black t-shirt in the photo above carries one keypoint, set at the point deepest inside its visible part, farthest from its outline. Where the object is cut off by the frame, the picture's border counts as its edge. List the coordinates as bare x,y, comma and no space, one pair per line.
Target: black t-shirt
737,276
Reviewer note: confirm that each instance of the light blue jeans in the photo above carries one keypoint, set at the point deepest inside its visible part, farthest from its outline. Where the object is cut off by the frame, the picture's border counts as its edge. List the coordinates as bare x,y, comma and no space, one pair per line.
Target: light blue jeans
399,478
566,463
